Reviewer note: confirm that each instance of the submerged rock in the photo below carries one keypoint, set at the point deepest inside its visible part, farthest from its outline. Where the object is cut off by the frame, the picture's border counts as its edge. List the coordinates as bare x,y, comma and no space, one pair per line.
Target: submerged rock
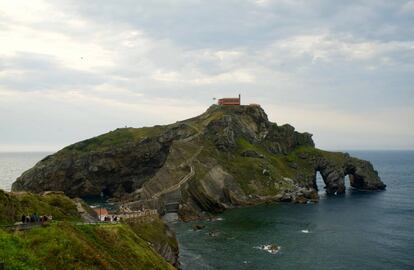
197,227
213,234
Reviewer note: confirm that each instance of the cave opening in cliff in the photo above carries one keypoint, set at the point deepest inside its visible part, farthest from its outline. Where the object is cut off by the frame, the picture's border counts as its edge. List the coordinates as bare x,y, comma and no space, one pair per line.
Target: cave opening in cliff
348,181
354,181
107,191
128,186
319,182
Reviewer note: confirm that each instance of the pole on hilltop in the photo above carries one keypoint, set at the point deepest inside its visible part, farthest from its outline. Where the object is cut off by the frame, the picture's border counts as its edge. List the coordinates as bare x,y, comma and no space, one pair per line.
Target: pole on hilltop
100,207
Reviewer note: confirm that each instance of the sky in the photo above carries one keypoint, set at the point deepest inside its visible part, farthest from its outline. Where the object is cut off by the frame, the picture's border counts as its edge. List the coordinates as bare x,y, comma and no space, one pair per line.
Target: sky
341,70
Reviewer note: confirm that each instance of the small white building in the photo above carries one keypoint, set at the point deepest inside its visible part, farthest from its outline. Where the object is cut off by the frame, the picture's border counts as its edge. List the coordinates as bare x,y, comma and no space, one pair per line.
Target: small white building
102,213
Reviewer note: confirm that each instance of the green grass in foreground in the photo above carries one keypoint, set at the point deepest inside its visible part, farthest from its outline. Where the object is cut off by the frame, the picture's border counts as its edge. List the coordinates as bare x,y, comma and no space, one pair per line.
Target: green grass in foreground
66,246
13,205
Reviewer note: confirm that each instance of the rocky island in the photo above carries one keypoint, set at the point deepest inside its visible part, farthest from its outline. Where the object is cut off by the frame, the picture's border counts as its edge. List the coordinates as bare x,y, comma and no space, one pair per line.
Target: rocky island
227,156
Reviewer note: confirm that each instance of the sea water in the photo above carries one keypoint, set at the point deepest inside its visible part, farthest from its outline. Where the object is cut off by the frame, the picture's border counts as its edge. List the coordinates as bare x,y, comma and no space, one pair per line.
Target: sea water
12,165
360,230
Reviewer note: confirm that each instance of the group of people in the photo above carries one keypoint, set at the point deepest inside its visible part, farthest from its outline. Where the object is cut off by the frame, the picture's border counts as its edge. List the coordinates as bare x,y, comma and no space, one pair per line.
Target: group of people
35,218
112,218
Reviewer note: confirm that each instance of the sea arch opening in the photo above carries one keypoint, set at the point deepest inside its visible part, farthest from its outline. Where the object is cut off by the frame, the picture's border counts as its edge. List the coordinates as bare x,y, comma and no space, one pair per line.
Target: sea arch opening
335,182
319,183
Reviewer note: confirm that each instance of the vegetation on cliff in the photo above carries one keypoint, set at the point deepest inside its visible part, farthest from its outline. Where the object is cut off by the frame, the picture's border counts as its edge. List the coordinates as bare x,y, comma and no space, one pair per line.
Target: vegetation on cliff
229,155
156,232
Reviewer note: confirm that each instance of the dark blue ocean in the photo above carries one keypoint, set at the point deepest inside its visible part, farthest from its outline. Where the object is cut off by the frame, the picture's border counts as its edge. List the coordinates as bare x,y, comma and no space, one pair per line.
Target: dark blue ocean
360,230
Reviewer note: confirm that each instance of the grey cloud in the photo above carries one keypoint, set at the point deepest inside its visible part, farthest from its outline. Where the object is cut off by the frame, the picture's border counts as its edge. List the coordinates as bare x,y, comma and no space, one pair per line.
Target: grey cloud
223,24
182,42
43,72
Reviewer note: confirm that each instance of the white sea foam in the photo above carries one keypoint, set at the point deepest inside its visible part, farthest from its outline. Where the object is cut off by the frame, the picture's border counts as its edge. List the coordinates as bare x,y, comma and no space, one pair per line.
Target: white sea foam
272,249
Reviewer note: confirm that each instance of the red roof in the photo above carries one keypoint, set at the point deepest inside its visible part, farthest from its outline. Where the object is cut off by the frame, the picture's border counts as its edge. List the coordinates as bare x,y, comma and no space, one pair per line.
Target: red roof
229,101
101,211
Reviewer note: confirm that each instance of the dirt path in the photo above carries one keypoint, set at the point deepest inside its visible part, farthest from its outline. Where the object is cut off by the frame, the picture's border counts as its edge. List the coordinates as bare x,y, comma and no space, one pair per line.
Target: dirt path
193,136
176,186
184,179
86,217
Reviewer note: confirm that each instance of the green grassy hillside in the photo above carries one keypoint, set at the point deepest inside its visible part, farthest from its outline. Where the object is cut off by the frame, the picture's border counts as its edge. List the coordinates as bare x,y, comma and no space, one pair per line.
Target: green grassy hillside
15,204
67,246
113,138
67,243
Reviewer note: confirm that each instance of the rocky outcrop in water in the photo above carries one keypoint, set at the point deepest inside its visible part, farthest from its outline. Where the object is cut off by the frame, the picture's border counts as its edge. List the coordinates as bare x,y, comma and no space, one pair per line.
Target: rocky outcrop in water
361,173
230,155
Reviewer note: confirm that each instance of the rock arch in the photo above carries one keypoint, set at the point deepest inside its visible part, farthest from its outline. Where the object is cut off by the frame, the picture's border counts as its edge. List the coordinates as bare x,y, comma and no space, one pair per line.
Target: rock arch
333,170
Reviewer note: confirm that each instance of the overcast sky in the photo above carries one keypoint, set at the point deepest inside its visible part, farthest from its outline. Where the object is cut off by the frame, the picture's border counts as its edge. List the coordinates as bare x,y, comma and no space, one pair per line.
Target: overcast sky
341,70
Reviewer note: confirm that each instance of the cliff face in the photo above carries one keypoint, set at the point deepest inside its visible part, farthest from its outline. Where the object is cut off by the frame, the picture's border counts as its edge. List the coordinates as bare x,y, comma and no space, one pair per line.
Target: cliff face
161,237
80,172
227,156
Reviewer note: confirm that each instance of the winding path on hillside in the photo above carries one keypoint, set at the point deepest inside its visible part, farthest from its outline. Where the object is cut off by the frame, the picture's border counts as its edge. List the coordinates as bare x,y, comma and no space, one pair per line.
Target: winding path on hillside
184,179
192,136
176,186
187,162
